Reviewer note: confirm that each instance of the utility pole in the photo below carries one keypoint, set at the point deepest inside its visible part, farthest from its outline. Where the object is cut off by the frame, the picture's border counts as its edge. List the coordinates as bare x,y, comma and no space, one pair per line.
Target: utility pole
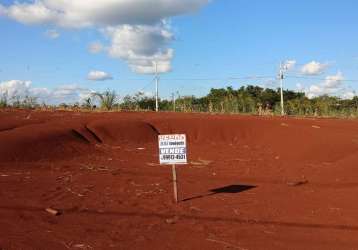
281,77
156,87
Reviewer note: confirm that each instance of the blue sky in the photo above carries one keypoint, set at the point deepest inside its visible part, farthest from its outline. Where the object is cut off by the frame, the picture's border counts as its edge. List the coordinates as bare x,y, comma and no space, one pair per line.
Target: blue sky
214,40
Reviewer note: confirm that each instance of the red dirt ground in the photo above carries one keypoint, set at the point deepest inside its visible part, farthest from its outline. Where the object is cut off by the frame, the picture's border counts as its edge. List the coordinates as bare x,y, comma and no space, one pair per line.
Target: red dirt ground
252,182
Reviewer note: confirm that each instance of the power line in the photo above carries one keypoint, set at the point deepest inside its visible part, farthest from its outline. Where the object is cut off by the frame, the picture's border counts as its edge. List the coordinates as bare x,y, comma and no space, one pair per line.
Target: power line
195,79
146,86
219,79
132,79
319,79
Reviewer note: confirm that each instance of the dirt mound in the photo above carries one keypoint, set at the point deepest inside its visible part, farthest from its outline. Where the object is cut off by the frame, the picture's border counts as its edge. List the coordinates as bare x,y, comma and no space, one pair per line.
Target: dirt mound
40,142
273,181
213,130
120,131
9,124
291,140
62,140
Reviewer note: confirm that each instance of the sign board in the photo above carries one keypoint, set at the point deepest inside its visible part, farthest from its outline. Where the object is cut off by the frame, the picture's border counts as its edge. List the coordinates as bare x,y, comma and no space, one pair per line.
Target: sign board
172,149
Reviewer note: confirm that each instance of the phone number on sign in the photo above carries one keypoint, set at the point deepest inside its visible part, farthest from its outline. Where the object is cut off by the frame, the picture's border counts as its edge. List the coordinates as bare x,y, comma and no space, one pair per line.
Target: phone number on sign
173,157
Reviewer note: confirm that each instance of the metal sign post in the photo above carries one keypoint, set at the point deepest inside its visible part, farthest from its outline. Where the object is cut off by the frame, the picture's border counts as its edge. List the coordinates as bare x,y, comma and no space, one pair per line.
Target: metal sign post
172,151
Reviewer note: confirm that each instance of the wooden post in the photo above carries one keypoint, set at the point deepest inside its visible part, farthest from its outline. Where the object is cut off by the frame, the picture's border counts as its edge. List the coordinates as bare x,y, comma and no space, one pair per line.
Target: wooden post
175,184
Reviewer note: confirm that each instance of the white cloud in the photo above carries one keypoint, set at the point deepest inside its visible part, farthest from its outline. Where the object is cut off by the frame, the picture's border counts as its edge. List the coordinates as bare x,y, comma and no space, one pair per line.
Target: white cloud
15,88
85,13
315,90
63,94
96,75
69,94
95,48
334,81
314,68
348,94
289,64
31,13
139,35
332,86
52,34
142,46
148,94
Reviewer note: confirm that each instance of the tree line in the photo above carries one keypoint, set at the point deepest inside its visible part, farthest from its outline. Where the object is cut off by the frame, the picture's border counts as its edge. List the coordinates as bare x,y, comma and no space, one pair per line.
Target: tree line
246,99
251,100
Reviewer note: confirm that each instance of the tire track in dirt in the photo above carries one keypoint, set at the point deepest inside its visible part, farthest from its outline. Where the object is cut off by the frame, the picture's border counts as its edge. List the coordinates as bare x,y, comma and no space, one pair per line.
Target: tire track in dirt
180,216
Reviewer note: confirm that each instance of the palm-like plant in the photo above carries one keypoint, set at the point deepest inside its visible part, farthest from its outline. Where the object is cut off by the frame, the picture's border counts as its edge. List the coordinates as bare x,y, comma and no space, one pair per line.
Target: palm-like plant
107,99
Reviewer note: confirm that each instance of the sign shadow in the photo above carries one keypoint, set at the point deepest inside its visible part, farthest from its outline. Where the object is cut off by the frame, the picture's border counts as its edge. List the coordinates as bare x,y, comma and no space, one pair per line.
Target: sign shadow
231,189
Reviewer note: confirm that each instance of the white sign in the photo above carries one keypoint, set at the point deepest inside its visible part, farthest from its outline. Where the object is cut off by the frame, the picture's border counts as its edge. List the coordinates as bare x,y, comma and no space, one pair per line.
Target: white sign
172,149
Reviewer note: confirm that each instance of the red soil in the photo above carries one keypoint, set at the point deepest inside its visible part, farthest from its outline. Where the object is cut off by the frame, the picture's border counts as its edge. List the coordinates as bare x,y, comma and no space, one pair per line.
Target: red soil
252,182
